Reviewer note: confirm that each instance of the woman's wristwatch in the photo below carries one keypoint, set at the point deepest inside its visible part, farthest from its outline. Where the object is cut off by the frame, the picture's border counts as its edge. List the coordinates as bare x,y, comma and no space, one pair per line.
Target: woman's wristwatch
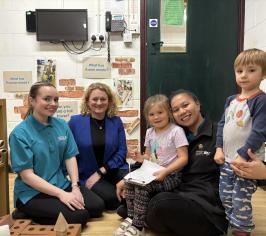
99,172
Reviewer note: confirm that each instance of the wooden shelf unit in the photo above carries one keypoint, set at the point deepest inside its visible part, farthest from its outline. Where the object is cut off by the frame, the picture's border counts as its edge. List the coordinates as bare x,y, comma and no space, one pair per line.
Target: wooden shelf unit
4,185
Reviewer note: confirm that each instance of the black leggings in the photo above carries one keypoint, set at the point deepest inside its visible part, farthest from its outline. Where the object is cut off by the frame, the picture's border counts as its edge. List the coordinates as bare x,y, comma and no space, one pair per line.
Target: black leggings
172,213
105,188
44,209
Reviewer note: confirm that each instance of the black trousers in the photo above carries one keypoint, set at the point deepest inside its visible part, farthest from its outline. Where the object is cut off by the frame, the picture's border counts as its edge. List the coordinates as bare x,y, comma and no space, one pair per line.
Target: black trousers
105,188
176,215
44,209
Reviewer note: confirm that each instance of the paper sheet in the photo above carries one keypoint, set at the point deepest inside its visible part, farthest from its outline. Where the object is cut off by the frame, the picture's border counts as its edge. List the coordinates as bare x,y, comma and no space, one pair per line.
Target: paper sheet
4,230
144,174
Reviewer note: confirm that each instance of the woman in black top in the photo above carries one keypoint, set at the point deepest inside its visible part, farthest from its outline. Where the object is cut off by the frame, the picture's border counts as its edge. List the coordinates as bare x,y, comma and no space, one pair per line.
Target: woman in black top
194,208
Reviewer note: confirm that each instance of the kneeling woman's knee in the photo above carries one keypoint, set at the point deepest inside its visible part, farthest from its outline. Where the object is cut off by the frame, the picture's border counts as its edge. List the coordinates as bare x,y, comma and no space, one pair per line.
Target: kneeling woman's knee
81,217
96,209
93,203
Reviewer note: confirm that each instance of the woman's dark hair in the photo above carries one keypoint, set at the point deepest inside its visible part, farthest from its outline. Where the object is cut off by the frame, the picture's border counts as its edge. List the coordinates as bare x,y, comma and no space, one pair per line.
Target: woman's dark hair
190,94
34,92
181,91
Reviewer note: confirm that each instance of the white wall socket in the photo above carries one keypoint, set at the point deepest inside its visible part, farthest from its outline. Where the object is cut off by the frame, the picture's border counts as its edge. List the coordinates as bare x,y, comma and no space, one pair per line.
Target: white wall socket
98,35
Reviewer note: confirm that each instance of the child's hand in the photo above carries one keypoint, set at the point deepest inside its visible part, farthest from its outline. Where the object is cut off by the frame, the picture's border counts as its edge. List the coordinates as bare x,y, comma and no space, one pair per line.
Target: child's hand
219,156
239,159
136,156
160,174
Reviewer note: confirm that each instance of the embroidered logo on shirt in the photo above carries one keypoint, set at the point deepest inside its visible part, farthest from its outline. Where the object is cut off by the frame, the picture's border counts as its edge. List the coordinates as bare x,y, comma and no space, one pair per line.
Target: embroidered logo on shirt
200,146
202,153
62,138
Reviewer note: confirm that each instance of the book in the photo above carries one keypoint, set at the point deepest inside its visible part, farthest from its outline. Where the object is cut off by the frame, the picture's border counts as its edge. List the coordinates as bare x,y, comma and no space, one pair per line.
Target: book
143,175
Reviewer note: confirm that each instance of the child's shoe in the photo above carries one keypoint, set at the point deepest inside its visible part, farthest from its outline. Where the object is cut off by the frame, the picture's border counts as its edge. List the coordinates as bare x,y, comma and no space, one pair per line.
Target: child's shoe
123,227
237,232
133,231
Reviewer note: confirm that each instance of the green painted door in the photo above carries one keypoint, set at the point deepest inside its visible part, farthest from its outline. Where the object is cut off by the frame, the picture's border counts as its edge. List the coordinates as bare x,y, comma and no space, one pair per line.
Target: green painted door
206,68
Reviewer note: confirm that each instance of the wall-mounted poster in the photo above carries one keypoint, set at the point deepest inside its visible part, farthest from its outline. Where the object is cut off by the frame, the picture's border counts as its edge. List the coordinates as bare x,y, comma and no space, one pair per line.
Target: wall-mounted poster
66,109
124,89
46,70
96,68
17,81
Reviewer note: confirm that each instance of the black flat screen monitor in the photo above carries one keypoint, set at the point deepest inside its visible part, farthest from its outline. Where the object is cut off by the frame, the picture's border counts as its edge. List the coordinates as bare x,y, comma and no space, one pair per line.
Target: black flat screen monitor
60,25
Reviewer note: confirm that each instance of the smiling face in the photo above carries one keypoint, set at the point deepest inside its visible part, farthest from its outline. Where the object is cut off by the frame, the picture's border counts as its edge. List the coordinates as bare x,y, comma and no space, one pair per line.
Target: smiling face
248,78
186,111
45,103
98,103
158,117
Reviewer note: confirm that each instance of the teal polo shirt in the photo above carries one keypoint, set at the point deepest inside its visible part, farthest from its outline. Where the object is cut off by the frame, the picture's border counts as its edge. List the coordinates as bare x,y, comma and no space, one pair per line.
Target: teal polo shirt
43,148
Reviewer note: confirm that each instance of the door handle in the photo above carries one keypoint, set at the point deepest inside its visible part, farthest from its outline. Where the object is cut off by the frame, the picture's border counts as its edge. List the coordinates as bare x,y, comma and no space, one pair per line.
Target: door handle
159,42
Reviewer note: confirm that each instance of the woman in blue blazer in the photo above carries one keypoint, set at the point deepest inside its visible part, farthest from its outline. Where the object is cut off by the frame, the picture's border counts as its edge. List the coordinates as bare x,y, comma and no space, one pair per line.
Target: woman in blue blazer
101,140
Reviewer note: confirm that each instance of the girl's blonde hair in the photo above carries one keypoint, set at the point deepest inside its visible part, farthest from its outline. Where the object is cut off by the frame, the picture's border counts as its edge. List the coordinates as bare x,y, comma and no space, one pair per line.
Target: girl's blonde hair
160,100
251,56
112,102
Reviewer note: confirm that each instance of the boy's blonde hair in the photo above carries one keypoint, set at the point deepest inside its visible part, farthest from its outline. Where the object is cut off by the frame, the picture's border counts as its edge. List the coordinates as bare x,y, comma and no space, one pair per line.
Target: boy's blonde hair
160,100
252,56
112,101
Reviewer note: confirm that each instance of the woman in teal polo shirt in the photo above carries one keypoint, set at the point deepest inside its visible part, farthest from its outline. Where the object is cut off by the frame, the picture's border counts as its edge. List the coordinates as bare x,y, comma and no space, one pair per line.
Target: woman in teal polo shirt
43,153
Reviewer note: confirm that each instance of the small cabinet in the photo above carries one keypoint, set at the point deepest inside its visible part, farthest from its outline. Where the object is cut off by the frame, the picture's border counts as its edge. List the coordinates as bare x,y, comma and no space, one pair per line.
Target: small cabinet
4,186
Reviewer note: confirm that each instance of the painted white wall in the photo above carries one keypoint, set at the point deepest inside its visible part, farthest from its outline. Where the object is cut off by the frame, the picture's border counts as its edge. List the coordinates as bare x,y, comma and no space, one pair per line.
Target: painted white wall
19,49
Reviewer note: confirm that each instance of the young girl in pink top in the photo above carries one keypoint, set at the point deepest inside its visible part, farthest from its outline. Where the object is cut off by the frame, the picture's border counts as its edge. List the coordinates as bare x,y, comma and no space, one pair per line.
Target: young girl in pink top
166,144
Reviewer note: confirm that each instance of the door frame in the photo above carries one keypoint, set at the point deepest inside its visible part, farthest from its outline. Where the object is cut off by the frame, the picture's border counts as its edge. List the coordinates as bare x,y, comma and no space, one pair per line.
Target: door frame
143,56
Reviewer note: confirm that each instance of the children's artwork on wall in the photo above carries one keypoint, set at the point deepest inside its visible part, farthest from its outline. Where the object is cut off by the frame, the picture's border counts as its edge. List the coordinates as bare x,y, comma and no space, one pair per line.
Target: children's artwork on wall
17,81
70,89
124,66
96,68
133,125
128,113
22,110
124,89
132,145
46,70
66,109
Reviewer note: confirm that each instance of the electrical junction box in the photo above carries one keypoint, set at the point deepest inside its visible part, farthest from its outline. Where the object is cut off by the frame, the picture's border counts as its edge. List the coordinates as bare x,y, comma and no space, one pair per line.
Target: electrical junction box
134,28
118,23
127,37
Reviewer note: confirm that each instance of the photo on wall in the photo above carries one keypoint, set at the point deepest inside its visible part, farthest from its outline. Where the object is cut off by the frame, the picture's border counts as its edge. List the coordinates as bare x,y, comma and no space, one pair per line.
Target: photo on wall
46,70
124,89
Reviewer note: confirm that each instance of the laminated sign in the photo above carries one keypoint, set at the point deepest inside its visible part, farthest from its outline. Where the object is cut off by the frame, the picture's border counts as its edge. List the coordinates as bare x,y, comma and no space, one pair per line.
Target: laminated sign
96,68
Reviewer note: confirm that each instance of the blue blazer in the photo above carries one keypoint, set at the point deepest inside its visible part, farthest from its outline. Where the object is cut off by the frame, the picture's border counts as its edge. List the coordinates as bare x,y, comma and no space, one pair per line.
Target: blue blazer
115,145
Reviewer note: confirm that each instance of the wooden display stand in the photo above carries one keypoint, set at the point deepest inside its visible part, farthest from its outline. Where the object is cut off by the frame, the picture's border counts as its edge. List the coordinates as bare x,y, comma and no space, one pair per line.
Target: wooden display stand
4,193
3,122
25,227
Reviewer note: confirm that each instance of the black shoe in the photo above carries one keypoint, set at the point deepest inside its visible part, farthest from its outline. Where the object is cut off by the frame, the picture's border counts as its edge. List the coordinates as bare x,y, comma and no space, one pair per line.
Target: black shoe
122,211
17,214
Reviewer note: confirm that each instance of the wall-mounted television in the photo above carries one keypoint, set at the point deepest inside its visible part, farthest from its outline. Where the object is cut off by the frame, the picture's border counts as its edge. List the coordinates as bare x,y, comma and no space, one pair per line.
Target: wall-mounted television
61,25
